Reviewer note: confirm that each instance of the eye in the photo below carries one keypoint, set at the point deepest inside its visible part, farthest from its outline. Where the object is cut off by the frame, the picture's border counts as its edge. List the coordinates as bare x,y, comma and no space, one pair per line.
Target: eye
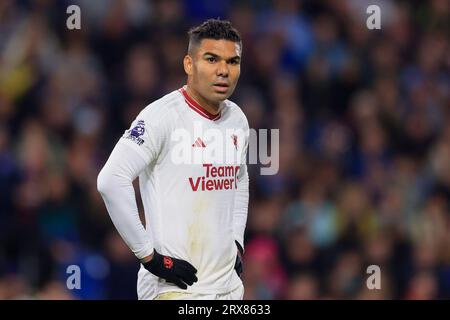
234,62
211,59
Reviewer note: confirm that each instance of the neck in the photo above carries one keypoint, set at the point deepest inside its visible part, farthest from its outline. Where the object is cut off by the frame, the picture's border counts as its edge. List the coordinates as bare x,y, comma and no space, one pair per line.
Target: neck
211,107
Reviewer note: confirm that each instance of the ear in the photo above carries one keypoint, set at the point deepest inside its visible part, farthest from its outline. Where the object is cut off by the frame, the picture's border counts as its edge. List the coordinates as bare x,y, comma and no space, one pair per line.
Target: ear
187,63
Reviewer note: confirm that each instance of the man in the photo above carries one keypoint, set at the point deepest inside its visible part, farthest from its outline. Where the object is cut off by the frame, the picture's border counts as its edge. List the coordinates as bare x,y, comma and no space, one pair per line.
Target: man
196,212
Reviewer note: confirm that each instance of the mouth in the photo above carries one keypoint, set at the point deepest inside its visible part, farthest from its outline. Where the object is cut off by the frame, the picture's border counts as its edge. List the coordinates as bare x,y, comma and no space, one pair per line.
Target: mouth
221,87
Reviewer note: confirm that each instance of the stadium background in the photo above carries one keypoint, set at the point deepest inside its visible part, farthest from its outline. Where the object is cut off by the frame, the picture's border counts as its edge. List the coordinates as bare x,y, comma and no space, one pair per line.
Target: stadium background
364,119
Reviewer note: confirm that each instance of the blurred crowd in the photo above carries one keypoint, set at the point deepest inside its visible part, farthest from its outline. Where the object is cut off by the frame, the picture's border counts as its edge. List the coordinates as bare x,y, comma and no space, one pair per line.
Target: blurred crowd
364,119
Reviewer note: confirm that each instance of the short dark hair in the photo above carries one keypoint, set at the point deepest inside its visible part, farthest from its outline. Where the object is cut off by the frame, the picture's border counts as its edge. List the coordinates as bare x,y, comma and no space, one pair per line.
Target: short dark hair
213,29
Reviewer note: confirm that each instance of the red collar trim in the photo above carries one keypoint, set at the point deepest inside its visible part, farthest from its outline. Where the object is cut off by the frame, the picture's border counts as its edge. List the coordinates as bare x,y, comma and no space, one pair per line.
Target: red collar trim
198,108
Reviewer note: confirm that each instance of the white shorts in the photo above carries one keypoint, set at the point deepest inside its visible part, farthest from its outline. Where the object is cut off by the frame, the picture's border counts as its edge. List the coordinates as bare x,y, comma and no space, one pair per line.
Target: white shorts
147,290
236,294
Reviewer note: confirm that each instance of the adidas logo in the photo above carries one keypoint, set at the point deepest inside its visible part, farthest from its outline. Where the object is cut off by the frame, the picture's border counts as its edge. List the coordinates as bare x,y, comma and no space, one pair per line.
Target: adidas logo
199,143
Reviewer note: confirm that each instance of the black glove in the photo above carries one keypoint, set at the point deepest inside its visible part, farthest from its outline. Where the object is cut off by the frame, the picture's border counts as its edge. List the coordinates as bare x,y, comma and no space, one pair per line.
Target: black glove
173,270
239,265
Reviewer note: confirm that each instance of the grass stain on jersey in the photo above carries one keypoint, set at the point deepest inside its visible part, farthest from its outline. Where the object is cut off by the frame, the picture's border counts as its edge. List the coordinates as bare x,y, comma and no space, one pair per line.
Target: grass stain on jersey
171,295
197,231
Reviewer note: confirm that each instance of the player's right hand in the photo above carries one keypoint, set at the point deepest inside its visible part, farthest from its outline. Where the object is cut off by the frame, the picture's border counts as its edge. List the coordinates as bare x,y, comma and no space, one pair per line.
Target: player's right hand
176,271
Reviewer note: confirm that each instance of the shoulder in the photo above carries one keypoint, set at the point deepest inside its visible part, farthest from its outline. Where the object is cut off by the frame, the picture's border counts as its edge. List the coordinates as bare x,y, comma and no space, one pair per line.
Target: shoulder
162,110
237,113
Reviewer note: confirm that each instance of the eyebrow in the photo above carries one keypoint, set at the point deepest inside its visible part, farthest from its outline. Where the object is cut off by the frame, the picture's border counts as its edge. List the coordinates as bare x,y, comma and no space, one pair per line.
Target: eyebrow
217,56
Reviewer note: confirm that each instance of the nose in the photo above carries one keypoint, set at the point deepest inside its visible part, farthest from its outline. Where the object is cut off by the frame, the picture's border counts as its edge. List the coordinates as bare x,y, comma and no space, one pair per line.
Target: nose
222,69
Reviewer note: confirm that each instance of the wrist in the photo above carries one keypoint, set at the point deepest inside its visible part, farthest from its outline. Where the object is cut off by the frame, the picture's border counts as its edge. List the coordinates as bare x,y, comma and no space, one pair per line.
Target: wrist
148,258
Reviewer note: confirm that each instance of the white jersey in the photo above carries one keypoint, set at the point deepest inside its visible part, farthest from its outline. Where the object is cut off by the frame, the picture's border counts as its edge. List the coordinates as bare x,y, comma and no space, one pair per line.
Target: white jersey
195,201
